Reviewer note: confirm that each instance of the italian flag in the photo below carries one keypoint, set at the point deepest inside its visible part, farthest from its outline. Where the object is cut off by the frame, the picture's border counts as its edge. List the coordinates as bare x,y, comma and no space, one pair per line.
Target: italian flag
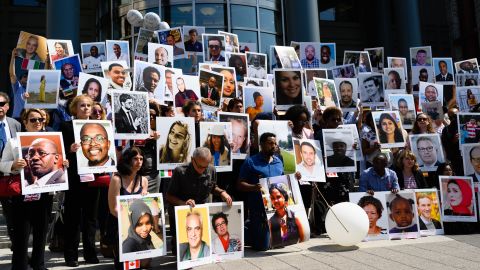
131,265
166,173
28,64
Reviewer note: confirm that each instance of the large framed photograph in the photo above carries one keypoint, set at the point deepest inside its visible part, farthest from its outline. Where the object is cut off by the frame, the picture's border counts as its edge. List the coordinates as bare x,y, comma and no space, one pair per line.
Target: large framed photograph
131,115
430,92
211,86
227,224
160,54
371,90
443,70
92,54
421,56
257,100
44,154
145,36
118,75
185,88
375,207
458,199
141,226
468,98
288,88
42,87
468,66
347,91
402,215
471,160
193,232
97,153
149,78
428,208
283,202
468,127
240,133
93,86
59,48
328,55
326,93
176,143
214,49
70,67
192,36
173,37
428,150
256,65
118,50
309,160
217,136
388,126
284,140
405,105
339,151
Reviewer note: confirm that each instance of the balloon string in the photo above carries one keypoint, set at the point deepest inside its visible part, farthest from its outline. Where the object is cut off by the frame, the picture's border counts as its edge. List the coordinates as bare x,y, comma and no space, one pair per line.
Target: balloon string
331,209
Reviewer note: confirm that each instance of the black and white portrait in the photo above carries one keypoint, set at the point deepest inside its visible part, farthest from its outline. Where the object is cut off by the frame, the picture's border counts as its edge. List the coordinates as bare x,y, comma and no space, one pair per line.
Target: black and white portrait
131,115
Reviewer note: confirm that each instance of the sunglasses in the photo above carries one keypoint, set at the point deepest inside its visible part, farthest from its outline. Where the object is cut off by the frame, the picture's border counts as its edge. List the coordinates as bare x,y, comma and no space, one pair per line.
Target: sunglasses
37,120
214,47
3,103
97,111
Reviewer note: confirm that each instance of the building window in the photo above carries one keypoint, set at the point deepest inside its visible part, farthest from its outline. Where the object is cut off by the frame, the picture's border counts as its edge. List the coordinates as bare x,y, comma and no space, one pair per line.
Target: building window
210,15
269,40
178,15
243,16
270,21
247,36
28,3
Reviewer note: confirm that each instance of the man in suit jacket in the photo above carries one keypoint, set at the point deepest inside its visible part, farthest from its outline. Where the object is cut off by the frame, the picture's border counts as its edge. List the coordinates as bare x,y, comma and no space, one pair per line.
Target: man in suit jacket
444,75
9,125
69,80
209,93
43,160
126,121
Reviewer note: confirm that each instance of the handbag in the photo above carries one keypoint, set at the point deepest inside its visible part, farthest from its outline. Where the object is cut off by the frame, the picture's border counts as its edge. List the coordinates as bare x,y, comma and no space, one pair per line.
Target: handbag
10,185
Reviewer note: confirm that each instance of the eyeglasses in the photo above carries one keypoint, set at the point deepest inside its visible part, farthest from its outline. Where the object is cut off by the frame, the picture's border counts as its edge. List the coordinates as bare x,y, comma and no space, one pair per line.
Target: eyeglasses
41,154
476,160
87,140
214,47
37,120
220,224
3,103
425,149
200,167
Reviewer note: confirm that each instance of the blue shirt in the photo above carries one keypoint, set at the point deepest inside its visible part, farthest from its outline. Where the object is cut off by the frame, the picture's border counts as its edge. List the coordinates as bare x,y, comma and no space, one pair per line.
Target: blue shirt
18,101
370,180
254,168
314,64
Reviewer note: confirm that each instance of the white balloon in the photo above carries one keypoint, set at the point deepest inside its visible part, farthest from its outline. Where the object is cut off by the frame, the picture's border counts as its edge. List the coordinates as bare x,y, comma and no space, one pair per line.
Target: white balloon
151,21
164,25
355,220
135,18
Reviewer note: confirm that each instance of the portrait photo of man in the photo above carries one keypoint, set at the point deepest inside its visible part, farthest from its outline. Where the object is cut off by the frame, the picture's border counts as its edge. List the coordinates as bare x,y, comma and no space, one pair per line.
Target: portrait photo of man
195,248
473,156
339,149
91,63
126,120
467,66
428,150
430,93
443,75
372,88
347,99
69,79
176,50
309,59
96,145
425,205
310,165
327,55
161,57
257,67
215,48
150,80
421,56
209,92
192,44
117,74
422,77
115,51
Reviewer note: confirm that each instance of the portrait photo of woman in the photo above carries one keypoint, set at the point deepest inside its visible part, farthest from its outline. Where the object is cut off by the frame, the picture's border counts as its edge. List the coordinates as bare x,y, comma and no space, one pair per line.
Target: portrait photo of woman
389,129
458,198
229,84
219,146
288,88
141,224
177,146
373,207
285,227
61,51
93,89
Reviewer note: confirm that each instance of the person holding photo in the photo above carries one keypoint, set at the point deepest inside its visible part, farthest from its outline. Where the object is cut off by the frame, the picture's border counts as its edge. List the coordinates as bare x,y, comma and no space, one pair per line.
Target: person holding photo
379,177
285,228
388,130
177,145
458,199
408,173
289,87
141,225
373,207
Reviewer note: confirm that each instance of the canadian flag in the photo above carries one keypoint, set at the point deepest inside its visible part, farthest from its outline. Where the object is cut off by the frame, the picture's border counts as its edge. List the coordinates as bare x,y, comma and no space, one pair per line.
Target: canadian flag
132,265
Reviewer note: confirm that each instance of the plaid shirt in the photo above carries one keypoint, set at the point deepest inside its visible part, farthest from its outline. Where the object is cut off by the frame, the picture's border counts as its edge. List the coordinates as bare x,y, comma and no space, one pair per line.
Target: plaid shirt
315,63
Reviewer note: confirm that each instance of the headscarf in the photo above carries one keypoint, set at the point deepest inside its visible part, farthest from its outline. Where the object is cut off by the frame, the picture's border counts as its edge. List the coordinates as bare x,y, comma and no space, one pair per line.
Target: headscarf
463,207
138,209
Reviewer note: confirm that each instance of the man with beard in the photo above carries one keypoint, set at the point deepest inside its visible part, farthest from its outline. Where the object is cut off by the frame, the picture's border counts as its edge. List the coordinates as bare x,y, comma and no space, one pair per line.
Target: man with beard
95,145
339,159
171,42
195,248
42,158
93,61
151,78
255,70
310,61
310,165
346,94
126,121
69,81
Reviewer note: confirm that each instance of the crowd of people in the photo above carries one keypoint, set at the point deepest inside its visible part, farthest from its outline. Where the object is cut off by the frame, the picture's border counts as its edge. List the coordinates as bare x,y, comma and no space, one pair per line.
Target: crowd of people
86,207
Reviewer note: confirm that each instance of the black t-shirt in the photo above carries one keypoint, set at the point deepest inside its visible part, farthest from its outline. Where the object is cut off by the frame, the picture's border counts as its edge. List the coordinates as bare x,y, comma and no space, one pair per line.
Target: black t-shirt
187,184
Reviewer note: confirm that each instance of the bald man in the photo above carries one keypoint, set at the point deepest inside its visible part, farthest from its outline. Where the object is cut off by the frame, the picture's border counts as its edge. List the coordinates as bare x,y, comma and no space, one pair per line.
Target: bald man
42,161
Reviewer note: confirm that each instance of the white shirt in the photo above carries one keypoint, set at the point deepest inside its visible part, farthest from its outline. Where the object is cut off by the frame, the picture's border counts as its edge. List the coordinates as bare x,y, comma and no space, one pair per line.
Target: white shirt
93,62
113,57
316,175
259,72
42,181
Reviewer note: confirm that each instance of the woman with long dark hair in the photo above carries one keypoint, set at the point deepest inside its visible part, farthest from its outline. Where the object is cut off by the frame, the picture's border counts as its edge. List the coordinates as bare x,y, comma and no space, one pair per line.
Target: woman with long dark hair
93,89
388,130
